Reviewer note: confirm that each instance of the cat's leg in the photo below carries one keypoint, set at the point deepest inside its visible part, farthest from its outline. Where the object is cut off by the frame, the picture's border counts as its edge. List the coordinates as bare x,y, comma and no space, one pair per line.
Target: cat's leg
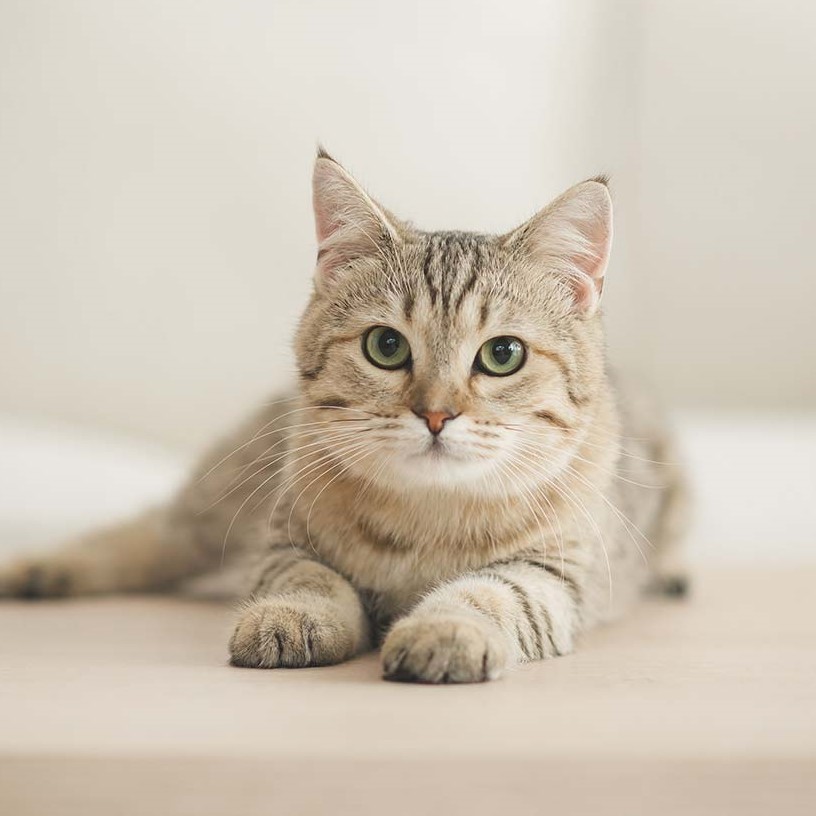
301,613
150,552
209,520
475,626
669,527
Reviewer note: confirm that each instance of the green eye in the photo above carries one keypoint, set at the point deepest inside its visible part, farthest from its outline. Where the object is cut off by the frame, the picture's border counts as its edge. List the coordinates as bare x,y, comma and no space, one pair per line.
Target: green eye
501,356
386,347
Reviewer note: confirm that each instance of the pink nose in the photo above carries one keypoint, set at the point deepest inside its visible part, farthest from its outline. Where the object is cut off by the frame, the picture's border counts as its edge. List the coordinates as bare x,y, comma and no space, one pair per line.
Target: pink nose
435,420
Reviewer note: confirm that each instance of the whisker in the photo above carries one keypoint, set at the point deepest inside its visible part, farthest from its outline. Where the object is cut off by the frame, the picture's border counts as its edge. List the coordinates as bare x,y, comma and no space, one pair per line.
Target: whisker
576,456
320,493
622,517
267,454
290,481
568,468
570,496
612,473
559,535
527,492
279,401
284,455
582,443
260,434
246,500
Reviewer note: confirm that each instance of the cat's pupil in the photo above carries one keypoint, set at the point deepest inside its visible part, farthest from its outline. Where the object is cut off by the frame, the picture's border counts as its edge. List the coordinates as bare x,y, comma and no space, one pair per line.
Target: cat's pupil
388,343
502,351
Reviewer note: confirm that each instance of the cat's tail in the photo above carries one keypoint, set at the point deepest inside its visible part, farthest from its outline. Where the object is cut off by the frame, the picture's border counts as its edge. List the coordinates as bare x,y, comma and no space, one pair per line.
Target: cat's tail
139,555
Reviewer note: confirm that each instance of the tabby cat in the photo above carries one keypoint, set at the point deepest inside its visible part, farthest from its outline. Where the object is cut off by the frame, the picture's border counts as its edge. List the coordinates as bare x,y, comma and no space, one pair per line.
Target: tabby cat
456,479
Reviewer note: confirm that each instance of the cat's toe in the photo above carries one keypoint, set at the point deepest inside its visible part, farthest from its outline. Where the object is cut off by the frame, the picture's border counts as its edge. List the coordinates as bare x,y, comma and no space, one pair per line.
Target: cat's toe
437,649
288,633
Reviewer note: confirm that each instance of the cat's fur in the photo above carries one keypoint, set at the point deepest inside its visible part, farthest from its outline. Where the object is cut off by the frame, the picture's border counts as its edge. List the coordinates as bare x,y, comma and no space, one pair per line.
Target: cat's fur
546,504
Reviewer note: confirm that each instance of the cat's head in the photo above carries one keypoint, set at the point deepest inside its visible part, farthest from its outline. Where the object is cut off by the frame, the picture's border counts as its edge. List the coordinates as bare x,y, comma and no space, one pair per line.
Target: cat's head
451,360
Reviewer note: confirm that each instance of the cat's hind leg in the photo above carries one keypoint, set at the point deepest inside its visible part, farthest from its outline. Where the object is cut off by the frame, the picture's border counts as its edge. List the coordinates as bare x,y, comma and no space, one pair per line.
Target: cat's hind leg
671,576
147,553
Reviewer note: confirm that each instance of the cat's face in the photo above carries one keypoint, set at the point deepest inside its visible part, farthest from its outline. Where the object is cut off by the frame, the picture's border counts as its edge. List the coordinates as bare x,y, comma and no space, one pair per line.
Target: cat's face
453,361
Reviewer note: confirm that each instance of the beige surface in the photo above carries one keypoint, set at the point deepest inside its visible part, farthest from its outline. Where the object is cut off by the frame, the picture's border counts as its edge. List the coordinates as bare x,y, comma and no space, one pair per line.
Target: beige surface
127,706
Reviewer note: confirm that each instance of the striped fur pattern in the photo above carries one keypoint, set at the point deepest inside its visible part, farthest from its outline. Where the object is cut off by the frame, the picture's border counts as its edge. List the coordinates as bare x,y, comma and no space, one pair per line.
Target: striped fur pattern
547,503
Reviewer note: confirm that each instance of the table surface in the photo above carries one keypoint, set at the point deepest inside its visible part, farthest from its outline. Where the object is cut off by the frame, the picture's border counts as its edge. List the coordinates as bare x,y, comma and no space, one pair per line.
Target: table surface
112,705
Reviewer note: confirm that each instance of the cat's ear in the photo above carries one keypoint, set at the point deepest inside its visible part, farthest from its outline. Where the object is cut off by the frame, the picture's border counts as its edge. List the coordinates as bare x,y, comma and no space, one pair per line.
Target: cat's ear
572,236
348,222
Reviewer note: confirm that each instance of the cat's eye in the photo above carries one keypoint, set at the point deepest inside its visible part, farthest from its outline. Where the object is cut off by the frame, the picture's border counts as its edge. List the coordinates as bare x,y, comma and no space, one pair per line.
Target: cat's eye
386,348
501,356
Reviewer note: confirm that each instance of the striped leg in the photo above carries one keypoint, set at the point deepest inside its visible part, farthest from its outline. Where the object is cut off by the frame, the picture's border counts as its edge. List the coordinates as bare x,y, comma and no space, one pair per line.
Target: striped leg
473,627
301,613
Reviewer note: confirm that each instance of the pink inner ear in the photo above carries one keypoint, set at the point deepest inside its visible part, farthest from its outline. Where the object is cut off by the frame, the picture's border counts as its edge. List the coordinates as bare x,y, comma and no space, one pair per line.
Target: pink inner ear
601,241
573,236
327,260
588,281
348,223
590,267
323,227
586,291
325,216
324,200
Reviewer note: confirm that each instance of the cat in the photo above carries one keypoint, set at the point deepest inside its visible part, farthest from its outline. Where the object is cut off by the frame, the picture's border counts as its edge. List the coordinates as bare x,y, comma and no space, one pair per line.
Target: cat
457,478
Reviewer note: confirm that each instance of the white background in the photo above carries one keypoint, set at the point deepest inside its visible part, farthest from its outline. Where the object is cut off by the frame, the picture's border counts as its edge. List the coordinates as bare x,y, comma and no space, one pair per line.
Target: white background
156,241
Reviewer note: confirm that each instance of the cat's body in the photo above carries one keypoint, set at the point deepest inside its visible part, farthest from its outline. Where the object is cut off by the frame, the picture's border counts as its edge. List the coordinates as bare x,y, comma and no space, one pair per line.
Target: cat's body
473,511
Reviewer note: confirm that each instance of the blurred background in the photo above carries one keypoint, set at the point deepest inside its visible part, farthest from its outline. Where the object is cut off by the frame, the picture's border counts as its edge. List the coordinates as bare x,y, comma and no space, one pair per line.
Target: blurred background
156,242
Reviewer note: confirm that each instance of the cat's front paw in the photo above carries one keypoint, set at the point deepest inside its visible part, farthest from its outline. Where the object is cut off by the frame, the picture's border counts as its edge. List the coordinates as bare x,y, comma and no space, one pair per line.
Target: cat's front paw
443,649
289,633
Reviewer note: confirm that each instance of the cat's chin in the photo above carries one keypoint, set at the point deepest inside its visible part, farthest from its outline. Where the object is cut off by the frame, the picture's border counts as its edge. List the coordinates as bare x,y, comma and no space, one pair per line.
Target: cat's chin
439,469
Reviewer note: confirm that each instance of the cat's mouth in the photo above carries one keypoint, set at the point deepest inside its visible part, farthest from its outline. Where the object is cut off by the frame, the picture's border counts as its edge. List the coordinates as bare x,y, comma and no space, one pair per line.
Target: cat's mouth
438,449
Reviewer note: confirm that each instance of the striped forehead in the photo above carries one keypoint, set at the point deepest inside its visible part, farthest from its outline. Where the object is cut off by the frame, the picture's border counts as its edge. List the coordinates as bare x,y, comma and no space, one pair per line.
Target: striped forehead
452,267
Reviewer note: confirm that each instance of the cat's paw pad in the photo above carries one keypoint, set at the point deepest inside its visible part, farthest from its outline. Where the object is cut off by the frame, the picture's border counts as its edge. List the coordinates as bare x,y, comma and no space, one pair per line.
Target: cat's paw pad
31,579
289,633
443,649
